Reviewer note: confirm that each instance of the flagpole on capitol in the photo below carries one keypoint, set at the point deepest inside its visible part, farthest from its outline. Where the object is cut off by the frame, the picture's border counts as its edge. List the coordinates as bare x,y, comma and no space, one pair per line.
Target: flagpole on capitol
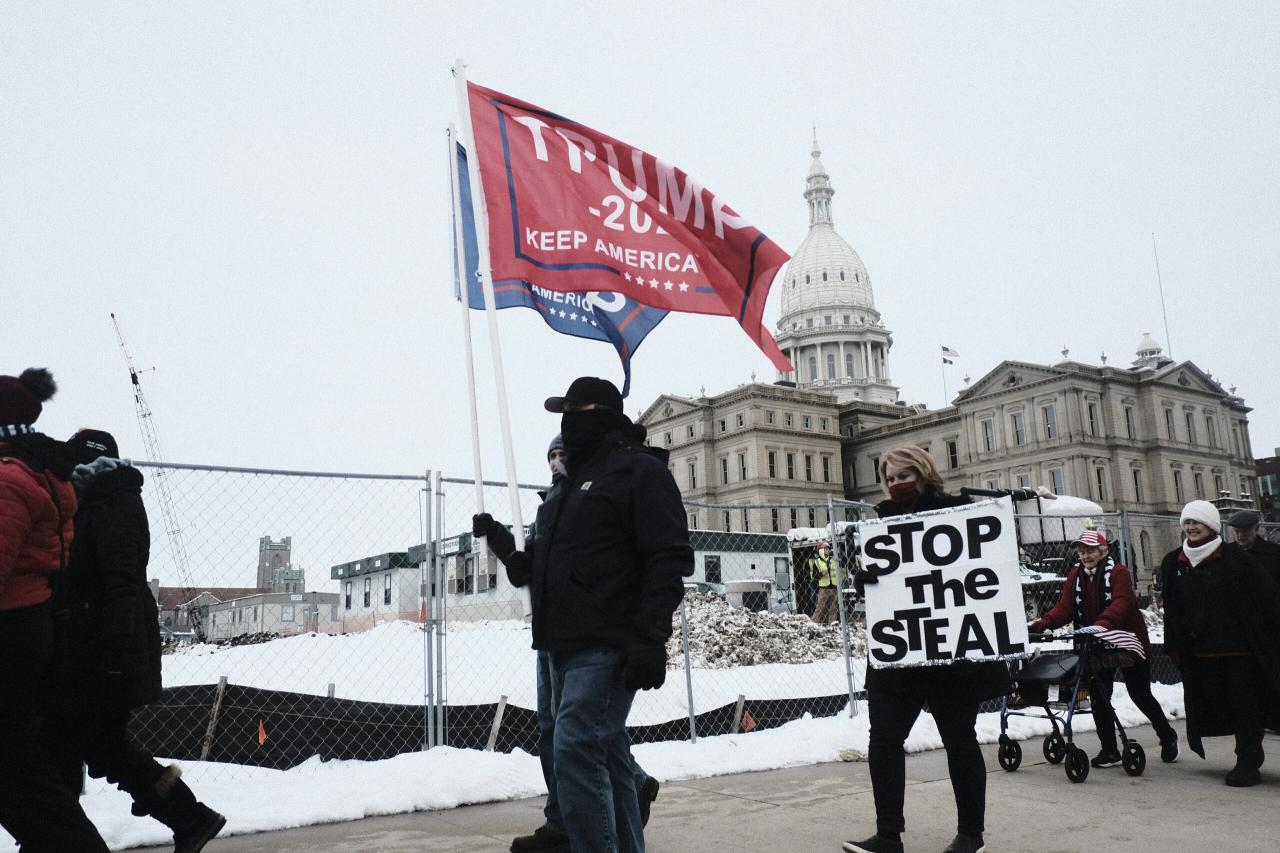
464,300
481,214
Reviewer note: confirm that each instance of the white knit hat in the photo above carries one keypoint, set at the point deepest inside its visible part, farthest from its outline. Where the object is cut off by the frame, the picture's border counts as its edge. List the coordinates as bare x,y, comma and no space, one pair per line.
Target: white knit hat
1203,512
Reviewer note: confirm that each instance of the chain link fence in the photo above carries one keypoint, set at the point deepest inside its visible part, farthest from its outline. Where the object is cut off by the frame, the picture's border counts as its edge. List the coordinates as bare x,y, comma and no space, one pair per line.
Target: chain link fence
352,616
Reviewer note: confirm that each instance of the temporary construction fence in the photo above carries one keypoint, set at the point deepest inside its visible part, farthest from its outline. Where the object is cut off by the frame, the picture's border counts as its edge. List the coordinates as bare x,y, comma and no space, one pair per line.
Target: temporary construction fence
352,616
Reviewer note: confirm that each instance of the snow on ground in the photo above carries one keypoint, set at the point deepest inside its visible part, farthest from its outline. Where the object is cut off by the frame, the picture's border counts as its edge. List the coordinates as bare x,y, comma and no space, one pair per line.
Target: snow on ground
793,658
256,799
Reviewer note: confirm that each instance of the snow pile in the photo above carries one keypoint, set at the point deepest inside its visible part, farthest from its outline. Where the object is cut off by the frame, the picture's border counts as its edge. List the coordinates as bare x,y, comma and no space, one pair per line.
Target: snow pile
721,636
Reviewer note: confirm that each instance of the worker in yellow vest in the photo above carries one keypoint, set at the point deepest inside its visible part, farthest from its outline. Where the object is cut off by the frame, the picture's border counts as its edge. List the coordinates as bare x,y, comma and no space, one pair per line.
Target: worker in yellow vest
822,569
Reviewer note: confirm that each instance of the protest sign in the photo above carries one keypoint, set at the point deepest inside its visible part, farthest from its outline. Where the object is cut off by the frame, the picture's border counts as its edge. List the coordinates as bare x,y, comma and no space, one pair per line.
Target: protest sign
949,586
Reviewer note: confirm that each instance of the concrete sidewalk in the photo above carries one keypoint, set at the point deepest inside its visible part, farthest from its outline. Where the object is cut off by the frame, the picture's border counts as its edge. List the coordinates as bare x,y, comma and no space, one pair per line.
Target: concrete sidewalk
1169,809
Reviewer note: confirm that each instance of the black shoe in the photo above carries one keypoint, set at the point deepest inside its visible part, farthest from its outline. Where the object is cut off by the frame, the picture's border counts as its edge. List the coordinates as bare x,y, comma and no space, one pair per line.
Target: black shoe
647,794
1169,751
543,840
875,844
204,825
966,844
1243,777
1107,758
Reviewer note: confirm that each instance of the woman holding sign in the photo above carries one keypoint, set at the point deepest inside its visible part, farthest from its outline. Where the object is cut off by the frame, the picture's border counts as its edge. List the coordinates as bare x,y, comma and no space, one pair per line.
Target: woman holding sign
951,692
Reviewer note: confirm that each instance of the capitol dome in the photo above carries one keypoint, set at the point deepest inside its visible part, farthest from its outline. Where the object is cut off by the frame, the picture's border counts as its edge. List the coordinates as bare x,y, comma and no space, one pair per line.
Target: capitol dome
829,327
825,271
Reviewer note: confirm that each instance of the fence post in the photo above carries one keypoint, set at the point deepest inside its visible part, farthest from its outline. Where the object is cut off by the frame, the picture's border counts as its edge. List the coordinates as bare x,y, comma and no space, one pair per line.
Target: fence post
688,674
497,722
844,622
207,746
441,598
424,594
737,714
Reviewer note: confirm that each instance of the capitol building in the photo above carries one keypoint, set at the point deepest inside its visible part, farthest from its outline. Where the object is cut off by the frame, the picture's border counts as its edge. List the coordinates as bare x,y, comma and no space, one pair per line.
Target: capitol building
1146,437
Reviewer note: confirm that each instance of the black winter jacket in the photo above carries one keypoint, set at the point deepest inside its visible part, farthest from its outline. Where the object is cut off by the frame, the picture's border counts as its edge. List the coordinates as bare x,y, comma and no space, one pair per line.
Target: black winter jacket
105,605
1251,605
611,552
963,679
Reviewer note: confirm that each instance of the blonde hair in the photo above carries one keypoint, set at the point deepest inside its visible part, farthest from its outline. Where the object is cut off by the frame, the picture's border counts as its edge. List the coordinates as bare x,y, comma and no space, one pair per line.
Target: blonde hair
919,460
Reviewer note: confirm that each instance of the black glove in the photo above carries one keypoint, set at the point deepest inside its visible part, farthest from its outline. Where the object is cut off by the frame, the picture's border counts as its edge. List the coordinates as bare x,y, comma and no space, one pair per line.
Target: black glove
501,542
865,577
519,568
646,666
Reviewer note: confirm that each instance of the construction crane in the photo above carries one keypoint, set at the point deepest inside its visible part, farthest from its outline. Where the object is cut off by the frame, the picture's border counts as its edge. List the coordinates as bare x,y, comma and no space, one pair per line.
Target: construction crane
173,531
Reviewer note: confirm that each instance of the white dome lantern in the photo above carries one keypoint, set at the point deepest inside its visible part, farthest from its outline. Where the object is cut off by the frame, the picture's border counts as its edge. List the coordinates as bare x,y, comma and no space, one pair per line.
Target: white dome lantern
829,325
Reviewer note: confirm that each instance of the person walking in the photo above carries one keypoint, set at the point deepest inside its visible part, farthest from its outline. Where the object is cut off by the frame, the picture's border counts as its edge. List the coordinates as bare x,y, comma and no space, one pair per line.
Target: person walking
109,633
951,692
1244,528
1222,629
37,505
605,577
551,837
822,570
1100,592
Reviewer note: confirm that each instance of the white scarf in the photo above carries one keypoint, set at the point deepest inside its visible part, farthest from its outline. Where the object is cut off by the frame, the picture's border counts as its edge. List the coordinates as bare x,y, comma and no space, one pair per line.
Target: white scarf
1200,553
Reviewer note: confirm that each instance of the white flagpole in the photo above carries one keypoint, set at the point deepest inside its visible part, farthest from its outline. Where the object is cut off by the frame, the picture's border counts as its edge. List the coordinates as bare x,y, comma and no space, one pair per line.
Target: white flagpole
481,213
945,401
464,291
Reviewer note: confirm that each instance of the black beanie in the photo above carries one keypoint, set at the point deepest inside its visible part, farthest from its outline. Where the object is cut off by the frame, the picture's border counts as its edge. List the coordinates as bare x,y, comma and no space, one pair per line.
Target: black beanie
22,397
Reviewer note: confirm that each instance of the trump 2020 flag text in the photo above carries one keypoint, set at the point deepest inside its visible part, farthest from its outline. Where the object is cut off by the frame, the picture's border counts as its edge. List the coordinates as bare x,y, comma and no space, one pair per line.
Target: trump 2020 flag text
571,209
600,316
949,586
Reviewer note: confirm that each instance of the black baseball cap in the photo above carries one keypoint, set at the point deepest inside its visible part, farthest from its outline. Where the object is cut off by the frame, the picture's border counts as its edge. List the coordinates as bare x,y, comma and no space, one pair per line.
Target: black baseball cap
88,444
586,390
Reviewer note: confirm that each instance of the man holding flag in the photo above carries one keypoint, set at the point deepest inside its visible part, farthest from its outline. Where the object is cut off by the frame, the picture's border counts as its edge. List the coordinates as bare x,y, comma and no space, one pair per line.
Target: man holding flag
605,575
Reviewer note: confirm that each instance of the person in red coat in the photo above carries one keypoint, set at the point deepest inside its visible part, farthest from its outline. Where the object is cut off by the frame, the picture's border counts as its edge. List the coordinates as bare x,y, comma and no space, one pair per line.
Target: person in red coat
37,506
1099,592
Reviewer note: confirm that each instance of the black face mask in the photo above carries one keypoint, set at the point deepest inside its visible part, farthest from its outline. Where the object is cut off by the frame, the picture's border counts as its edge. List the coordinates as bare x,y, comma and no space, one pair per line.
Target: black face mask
583,431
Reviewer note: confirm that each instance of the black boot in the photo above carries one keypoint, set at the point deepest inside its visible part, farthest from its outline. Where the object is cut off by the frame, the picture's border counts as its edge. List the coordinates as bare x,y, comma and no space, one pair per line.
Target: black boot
172,803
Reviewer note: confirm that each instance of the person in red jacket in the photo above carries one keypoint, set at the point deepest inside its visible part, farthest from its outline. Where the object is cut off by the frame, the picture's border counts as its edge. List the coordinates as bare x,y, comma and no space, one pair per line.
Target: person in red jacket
1099,591
37,506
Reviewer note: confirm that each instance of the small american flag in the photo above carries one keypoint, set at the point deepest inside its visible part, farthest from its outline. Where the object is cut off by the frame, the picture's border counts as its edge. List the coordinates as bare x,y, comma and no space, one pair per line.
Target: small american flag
1125,641
948,351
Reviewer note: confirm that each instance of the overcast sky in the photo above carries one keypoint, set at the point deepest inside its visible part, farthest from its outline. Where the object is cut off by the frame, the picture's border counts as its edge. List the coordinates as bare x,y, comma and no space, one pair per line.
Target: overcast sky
259,191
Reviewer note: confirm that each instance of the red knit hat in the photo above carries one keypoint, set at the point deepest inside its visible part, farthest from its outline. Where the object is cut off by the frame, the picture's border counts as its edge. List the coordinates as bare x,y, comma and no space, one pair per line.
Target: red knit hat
22,397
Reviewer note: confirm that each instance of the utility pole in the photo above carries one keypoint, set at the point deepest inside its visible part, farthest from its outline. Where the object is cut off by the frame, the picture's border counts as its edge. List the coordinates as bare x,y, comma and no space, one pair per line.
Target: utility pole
160,475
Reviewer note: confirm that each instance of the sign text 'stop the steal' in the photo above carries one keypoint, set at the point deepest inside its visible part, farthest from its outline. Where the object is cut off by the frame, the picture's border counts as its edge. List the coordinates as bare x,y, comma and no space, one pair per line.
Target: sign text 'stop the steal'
949,586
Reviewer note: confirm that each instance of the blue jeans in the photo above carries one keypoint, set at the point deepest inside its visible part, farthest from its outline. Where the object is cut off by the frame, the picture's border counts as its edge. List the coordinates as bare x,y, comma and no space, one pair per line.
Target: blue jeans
546,746
594,775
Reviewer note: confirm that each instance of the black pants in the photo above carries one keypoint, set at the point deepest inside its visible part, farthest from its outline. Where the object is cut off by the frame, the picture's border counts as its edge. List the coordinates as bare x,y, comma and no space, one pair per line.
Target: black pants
892,716
35,807
1137,679
97,735
1236,682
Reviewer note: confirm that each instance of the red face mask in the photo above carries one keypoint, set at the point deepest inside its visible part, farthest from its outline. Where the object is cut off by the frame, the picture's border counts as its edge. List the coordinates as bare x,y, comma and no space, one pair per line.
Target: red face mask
904,494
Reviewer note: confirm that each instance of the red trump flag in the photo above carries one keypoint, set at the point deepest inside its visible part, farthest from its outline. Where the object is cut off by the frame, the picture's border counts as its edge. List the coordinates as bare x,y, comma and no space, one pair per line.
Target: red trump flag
571,209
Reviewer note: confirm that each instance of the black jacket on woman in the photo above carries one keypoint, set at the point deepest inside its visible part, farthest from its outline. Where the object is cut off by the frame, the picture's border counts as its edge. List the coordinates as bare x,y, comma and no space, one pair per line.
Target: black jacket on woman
968,679
112,627
1244,611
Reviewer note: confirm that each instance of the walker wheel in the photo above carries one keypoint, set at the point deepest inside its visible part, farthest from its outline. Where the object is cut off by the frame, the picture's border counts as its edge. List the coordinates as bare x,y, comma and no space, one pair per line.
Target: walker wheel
1055,748
1135,758
1010,755
1077,764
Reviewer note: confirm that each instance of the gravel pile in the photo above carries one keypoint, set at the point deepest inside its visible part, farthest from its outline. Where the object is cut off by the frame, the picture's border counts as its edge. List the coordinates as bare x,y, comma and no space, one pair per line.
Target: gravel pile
721,636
